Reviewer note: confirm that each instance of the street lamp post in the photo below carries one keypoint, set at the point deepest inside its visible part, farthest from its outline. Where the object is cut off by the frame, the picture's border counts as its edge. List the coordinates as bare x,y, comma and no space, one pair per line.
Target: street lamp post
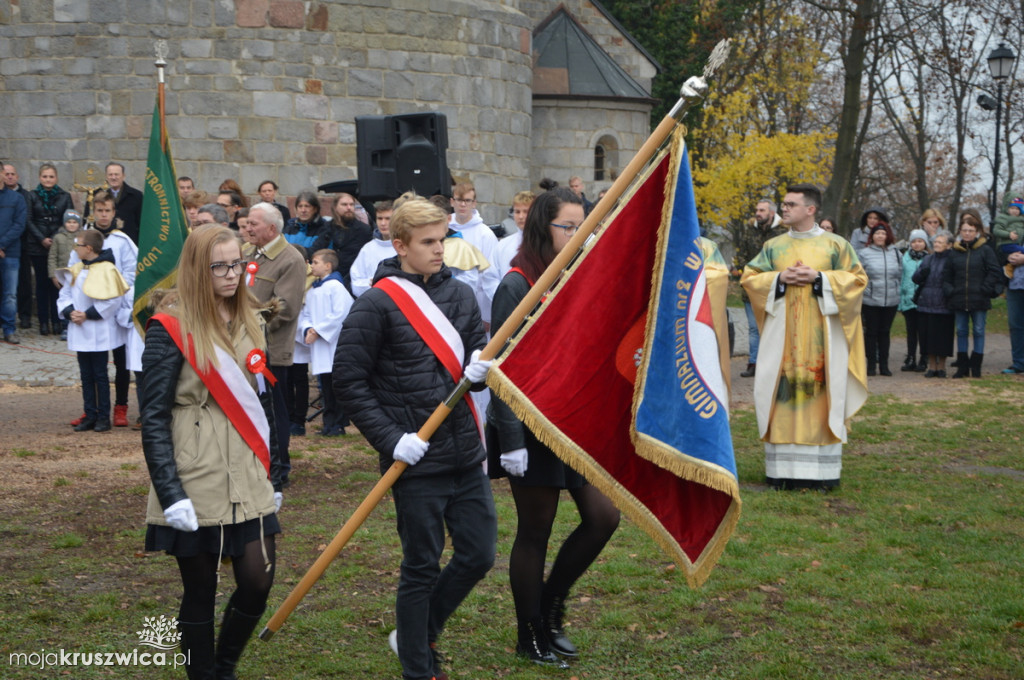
1000,62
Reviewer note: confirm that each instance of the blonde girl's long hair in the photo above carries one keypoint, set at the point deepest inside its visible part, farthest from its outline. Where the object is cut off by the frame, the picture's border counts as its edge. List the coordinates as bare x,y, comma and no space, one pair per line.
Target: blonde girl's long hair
196,306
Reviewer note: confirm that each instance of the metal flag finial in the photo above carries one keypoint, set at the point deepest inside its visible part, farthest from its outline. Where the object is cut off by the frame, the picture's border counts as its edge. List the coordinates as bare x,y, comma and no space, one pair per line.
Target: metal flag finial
718,57
695,87
161,52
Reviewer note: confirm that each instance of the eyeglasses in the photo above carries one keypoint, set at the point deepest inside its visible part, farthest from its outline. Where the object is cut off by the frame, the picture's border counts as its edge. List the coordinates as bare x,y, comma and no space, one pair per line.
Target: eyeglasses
224,205
221,269
464,201
569,229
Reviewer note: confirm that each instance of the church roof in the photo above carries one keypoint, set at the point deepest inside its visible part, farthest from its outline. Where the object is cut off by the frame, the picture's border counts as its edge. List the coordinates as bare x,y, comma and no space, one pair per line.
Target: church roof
568,62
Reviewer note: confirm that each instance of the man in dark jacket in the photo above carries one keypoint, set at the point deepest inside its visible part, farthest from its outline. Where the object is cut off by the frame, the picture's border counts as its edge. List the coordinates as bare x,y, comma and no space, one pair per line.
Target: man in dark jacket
13,216
12,182
345,234
127,201
390,373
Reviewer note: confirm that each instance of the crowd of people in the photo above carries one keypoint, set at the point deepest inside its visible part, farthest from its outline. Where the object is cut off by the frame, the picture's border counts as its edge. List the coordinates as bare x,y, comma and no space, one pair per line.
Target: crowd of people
266,300
940,281
272,299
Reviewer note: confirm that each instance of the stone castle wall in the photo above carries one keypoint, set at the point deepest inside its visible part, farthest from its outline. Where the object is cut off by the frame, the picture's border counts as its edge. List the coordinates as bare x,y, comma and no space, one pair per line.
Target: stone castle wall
264,89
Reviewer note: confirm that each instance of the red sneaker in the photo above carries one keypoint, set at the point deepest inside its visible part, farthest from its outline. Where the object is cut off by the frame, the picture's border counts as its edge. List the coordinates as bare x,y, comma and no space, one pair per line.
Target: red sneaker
78,421
121,415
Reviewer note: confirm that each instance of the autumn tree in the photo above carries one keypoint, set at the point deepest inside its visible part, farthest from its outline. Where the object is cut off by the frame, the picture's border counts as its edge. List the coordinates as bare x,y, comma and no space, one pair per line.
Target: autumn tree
762,127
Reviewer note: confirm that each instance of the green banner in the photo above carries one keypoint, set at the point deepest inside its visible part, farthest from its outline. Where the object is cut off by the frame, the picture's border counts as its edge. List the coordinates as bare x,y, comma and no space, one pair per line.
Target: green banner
162,229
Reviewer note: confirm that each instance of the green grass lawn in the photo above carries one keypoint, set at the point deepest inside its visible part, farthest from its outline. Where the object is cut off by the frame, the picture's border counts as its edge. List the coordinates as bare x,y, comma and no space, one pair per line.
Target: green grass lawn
912,569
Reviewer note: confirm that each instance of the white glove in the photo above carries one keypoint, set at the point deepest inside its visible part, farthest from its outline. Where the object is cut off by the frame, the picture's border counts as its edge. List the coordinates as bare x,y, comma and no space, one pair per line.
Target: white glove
476,371
410,448
278,499
515,462
182,516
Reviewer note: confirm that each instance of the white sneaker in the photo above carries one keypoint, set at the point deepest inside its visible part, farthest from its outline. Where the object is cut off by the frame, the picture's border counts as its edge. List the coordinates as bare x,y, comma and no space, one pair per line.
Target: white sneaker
393,640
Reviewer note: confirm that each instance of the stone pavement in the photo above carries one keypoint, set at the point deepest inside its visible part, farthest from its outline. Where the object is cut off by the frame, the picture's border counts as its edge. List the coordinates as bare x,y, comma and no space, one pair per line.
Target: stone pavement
39,361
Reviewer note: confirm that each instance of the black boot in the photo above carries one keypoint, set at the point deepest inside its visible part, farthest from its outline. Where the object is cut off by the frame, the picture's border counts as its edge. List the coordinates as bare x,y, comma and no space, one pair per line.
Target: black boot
235,632
552,612
908,363
871,368
749,373
962,364
976,364
883,368
197,646
922,365
533,645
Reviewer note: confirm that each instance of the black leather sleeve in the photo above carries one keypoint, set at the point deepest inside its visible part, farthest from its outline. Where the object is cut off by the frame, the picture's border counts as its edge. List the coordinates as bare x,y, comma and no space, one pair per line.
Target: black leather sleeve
161,366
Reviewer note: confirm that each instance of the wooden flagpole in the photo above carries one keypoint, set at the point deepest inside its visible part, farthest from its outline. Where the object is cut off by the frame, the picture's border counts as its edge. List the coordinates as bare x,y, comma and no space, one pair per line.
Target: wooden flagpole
693,90
161,62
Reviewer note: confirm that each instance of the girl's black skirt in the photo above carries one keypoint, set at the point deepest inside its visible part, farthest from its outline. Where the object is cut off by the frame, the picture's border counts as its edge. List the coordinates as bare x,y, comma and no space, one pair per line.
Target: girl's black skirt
208,539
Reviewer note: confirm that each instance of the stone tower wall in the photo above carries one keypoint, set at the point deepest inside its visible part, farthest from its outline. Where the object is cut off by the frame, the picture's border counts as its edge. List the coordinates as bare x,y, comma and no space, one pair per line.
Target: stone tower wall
264,89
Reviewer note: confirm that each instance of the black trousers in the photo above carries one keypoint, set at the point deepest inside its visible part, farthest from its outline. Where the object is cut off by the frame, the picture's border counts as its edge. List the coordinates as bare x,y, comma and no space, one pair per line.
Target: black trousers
95,385
280,392
877,323
910,317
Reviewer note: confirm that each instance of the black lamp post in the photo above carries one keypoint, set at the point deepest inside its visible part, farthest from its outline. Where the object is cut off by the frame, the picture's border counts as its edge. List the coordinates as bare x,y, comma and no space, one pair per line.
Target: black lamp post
1000,62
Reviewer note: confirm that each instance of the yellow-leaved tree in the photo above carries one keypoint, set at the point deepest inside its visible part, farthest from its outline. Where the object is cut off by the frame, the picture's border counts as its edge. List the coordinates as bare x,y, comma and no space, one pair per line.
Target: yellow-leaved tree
763,124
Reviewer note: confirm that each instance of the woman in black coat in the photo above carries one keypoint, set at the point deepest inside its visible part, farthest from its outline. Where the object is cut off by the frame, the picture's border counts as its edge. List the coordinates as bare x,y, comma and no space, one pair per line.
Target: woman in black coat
935,318
536,475
46,206
970,280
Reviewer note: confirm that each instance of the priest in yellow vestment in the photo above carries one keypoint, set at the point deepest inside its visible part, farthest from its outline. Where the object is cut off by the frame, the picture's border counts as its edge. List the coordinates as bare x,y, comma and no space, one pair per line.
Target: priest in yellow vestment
805,287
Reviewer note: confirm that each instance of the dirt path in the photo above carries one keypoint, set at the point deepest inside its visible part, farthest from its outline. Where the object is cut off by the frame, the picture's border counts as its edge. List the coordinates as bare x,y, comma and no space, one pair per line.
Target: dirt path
39,448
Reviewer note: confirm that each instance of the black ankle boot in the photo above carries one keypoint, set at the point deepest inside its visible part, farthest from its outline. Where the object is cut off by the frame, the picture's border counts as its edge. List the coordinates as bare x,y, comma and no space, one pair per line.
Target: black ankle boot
976,360
533,645
963,365
922,365
909,364
235,632
197,646
552,613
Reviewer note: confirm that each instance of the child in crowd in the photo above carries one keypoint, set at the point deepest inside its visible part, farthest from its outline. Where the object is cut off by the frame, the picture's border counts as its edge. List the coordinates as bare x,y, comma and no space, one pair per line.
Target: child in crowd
89,299
377,249
242,218
911,260
126,255
1009,226
327,304
60,253
297,393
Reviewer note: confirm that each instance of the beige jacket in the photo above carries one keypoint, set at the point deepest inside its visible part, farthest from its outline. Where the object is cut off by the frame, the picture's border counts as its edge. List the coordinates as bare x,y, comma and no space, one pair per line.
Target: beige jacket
220,474
281,274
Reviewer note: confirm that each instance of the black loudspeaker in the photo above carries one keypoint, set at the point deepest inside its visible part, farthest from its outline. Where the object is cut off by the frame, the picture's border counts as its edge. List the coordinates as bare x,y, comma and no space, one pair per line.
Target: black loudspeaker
421,145
375,155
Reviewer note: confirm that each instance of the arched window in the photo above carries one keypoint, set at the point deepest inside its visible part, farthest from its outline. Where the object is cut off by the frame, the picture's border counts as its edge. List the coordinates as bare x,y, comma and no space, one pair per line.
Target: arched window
599,163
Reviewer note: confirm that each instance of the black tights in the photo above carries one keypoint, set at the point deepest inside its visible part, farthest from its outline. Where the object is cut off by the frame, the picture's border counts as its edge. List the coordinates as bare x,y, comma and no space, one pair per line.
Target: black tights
536,507
199,576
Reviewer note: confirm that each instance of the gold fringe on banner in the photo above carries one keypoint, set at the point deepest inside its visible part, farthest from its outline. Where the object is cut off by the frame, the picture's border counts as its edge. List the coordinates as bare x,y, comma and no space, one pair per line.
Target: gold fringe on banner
568,451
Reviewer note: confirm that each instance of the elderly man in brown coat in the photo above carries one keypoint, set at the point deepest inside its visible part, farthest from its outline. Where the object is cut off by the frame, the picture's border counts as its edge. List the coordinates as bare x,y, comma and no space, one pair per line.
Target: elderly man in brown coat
276,271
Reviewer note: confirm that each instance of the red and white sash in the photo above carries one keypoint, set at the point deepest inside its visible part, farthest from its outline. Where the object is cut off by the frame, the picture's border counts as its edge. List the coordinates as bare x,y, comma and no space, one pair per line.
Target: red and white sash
432,326
232,392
